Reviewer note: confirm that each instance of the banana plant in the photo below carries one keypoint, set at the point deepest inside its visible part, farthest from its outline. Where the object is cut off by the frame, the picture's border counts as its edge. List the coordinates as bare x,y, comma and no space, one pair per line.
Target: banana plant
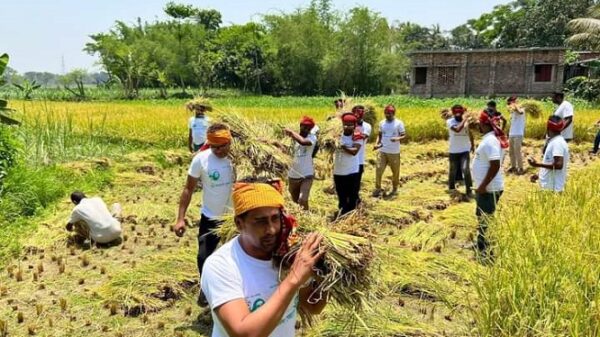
4,110
27,88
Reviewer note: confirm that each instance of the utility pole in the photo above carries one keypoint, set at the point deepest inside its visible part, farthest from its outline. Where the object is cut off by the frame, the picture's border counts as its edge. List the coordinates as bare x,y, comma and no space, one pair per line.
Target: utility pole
63,65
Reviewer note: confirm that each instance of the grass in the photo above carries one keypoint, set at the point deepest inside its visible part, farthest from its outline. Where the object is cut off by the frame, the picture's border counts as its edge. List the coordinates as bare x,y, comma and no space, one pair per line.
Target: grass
545,278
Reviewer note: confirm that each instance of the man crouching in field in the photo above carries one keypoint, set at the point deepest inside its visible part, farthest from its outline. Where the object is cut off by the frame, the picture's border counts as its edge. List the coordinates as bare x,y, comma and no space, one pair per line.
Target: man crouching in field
240,281
214,169
91,219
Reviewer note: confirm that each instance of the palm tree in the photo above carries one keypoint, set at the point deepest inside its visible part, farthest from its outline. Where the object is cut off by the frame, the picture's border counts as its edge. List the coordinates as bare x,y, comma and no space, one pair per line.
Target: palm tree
586,31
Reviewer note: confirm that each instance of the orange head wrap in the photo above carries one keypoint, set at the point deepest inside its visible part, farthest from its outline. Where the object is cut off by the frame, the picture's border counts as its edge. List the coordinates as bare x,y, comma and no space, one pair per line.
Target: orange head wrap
219,137
249,196
307,121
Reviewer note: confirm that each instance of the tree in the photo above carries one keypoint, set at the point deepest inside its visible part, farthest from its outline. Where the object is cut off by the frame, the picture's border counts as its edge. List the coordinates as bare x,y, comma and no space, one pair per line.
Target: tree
301,39
75,77
586,31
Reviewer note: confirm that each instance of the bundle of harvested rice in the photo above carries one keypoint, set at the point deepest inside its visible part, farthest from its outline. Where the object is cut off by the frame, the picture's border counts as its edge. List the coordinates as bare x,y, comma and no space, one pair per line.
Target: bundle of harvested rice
199,102
445,114
532,108
344,274
256,144
329,136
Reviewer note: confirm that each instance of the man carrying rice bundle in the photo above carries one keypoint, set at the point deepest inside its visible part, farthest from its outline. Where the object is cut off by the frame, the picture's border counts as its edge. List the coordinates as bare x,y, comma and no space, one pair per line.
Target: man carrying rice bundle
488,178
198,124
391,132
302,172
346,166
363,129
214,169
240,280
553,168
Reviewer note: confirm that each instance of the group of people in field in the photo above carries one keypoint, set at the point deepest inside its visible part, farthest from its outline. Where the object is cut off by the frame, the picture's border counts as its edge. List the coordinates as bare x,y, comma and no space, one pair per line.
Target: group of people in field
486,173
238,281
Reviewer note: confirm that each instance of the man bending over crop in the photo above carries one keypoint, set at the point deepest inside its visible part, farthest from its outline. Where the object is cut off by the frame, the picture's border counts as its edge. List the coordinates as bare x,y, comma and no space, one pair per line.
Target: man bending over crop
91,219
214,169
240,280
302,172
488,178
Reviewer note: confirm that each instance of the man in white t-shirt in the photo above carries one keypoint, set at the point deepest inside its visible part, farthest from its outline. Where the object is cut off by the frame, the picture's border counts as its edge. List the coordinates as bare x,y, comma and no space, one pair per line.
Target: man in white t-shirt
553,168
363,129
198,124
241,279
214,168
91,219
391,132
302,171
515,135
566,112
461,144
488,179
346,166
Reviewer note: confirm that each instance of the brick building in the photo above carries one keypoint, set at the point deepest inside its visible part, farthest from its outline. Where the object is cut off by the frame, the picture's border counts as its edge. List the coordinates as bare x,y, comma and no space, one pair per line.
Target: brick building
534,72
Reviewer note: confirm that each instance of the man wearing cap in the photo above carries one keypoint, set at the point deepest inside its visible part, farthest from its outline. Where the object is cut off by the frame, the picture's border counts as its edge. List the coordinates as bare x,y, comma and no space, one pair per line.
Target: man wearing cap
214,169
566,112
515,135
198,124
391,132
302,172
488,178
461,143
346,166
553,168
363,131
240,281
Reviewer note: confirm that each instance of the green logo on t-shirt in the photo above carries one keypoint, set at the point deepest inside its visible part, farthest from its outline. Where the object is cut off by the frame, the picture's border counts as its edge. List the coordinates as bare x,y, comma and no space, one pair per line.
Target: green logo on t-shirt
257,304
214,175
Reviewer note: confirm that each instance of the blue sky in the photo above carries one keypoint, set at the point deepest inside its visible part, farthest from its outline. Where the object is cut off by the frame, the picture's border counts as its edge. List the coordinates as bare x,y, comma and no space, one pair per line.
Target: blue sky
39,33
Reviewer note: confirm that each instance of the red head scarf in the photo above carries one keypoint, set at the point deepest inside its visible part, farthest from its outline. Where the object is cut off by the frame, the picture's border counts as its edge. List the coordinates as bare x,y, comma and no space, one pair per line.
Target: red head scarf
359,111
349,117
307,121
458,110
556,126
486,119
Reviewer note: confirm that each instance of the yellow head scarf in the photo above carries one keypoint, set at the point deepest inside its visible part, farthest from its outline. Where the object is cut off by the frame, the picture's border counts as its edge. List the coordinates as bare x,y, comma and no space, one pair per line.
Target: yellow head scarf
249,196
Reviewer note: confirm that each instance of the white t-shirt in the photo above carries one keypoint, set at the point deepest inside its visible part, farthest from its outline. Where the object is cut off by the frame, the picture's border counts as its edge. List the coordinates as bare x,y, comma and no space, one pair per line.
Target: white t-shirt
94,213
199,127
315,130
365,129
554,180
459,141
230,274
345,163
389,130
488,150
564,110
217,178
517,124
302,165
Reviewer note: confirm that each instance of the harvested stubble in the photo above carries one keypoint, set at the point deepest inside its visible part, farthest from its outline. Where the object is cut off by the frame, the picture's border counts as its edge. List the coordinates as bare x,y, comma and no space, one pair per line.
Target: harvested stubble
344,274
